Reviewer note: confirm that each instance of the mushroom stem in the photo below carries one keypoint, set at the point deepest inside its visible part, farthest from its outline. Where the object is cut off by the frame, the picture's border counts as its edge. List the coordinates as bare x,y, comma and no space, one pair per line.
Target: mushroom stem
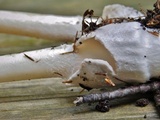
43,63
40,26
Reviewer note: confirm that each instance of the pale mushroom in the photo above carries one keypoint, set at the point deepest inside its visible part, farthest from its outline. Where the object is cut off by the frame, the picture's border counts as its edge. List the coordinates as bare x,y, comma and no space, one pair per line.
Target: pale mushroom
50,62
115,53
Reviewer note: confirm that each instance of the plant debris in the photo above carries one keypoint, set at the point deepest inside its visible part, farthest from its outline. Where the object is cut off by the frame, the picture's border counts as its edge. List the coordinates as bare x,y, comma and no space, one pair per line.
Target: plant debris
89,26
30,58
152,18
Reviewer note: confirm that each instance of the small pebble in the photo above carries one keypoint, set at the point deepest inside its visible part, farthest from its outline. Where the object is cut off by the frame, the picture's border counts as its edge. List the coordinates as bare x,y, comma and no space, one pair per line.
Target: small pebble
145,116
103,106
142,102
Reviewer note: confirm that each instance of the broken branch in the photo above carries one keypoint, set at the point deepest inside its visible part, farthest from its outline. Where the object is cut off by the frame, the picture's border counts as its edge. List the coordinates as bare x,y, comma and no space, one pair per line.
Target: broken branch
143,88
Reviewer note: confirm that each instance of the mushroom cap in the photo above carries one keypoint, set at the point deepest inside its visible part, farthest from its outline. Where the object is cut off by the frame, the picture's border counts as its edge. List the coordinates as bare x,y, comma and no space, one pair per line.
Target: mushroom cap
125,49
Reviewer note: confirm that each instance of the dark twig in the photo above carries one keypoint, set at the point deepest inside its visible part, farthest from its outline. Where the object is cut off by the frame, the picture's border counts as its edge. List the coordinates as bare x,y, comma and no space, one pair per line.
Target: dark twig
152,20
143,88
157,98
30,58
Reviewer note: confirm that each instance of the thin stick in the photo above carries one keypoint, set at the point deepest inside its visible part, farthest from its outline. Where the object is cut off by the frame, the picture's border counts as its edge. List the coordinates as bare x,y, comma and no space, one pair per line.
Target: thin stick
143,88
157,98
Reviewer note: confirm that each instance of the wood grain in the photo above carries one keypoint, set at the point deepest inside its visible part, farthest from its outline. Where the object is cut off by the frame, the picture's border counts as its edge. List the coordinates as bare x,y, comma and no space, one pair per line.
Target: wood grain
49,99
